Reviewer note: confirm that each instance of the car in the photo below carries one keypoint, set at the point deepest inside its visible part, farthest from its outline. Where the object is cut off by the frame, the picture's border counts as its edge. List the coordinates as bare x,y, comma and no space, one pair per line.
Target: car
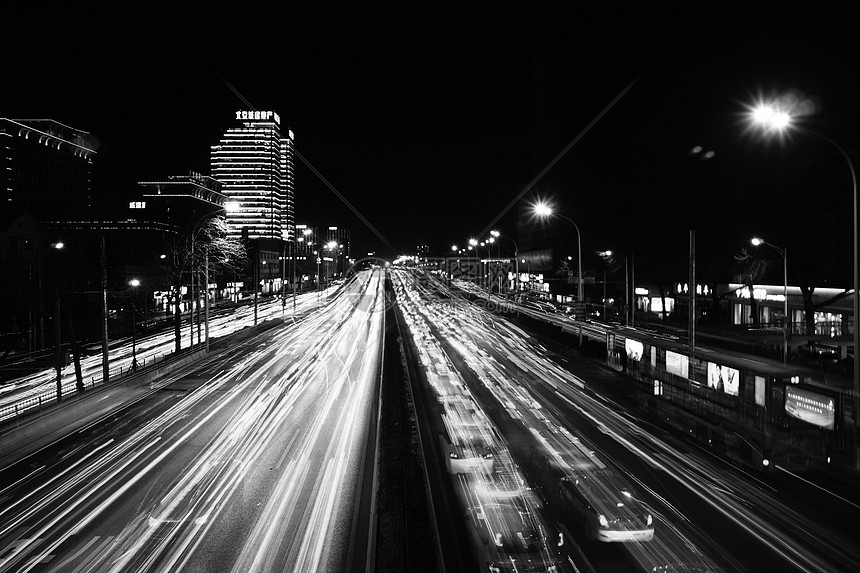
604,508
507,536
469,442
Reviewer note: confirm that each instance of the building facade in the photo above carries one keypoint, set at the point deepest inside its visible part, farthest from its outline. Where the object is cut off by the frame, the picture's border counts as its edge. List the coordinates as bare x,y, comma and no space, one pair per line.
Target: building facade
254,164
46,169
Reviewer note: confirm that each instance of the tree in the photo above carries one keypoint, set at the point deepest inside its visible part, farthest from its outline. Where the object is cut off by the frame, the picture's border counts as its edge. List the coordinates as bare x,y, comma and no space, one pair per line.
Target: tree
186,251
751,269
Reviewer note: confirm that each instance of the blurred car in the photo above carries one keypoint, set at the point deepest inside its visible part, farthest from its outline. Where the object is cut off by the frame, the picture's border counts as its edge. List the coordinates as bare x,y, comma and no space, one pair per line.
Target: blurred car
507,537
604,508
469,442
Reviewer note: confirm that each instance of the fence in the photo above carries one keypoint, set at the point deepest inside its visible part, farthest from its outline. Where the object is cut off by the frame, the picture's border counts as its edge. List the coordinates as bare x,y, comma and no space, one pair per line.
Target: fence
46,395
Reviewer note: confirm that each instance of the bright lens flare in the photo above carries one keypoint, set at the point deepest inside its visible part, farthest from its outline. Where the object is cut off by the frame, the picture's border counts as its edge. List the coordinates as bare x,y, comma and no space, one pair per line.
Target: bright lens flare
770,117
543,210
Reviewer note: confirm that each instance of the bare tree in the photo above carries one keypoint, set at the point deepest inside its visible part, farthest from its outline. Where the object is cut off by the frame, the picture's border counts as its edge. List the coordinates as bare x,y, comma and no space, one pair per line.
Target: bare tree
751,269
186,251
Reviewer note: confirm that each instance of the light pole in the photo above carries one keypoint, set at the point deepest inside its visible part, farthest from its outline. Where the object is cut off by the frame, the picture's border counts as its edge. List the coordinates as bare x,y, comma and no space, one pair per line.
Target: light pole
332,246
473,244
606,256
486,245
773,118
134,283
498,235
783,252
543,210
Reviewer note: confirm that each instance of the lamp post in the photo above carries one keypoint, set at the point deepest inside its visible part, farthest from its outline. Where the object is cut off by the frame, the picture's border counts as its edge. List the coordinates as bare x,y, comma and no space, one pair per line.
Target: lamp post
774,118
783,252
498,235
543,210
332,246
134,283
486,245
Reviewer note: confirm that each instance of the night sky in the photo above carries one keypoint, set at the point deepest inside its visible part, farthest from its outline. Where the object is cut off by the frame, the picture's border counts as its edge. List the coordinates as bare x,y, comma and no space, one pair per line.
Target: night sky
421,121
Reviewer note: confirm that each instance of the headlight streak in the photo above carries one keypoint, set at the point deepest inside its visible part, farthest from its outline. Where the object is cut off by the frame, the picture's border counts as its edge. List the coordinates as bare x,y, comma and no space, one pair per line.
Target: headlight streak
259,438
497,378
269,537
780,544
123,455
52,490
491,508
43,382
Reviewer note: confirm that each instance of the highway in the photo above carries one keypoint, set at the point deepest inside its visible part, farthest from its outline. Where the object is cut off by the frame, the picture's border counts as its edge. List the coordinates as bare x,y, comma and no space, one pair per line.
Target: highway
551,408
258,458
26,390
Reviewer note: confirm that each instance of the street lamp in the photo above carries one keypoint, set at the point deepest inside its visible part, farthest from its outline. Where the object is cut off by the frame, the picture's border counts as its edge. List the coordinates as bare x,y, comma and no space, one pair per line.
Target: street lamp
134,283
543,210
498,235
776,118
332,246
783,252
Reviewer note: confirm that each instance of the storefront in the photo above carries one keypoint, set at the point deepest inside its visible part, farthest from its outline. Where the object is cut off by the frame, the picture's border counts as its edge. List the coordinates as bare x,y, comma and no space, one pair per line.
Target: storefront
832,314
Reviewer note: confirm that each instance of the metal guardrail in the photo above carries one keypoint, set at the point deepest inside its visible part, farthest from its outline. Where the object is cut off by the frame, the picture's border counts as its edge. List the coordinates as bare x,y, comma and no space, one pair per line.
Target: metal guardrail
45,398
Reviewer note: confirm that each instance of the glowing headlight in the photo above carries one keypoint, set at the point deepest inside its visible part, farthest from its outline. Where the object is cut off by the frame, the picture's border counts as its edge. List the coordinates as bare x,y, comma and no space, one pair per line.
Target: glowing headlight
650,519
602,520
488,455
453,455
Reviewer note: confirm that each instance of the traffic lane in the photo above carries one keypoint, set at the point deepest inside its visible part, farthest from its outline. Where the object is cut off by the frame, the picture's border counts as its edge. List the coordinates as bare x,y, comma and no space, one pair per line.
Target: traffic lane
119,513
497,368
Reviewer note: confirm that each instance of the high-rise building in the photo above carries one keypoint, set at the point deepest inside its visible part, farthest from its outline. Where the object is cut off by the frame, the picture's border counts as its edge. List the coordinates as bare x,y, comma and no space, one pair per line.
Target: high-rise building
340,235
254,164
307,240
46,169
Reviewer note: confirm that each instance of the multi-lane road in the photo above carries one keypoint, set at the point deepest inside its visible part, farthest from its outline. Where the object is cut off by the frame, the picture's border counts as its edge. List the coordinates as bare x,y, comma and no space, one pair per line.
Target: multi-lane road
260,457
256,459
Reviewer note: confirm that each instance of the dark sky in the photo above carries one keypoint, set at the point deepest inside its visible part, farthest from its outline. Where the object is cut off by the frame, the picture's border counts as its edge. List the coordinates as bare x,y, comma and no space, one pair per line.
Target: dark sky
421,120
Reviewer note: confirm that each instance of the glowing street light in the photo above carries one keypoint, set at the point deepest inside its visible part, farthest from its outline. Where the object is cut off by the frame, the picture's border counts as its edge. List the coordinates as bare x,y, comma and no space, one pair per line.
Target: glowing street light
777,118
783,252
543,210
134,283
498,235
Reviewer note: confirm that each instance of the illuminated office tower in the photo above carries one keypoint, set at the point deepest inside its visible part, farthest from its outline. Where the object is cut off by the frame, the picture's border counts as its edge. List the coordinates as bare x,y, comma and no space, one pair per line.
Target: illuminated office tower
254,165
341,236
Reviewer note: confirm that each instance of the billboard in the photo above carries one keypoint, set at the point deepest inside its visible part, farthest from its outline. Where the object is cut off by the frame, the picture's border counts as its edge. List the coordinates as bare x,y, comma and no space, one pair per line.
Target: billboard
817,409
723,378
634,349
678,364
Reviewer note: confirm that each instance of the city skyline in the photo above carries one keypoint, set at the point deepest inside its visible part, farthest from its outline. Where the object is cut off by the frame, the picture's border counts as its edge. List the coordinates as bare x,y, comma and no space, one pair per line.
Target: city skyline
422,136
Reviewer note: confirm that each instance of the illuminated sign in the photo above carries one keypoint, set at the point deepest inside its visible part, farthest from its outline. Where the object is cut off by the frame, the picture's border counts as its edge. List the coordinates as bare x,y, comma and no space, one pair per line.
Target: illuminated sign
700,289
641,291
723,378
759,294
258,116
759,391
634,349
677,364
811,407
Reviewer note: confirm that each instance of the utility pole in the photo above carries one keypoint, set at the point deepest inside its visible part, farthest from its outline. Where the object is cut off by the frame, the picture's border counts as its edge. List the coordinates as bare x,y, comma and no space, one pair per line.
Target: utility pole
206,294
691,294
103,264
59,346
